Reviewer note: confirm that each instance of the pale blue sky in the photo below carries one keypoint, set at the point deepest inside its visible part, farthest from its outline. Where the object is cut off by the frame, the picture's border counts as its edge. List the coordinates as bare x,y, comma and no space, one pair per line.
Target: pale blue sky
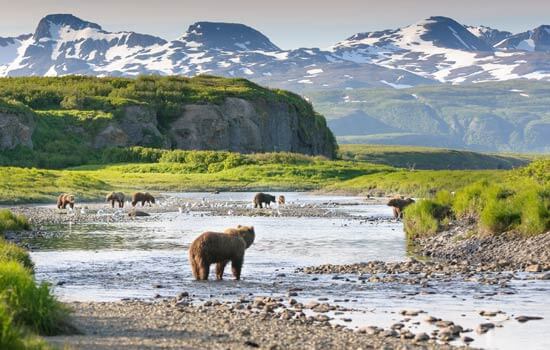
289,24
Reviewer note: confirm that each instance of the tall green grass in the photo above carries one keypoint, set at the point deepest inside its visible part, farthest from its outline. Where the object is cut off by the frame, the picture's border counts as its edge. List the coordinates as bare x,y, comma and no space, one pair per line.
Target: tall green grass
12,252
12,222
25,307
32,305
519,203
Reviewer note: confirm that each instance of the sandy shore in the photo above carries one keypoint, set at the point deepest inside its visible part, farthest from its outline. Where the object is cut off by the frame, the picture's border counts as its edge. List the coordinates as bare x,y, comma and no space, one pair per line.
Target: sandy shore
169,324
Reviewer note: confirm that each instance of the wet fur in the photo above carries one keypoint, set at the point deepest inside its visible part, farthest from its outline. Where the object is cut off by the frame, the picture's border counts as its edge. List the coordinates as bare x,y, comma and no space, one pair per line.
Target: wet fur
261,198
399,204
220,248
65,199
143,198
116,197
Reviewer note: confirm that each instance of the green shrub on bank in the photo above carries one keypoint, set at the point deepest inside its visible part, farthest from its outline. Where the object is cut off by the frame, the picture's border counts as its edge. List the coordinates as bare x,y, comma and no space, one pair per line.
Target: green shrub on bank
522,206
12,222
12,252
425,217
10,335
31,305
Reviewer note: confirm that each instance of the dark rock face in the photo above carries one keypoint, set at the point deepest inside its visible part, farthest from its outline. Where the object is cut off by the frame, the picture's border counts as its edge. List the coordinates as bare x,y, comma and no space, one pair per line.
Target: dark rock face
15,131
537,39
228,36
44,26
445,32
249,126
237,125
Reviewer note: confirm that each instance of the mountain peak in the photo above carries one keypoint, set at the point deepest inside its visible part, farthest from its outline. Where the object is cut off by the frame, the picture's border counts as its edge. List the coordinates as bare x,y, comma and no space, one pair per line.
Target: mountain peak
228,36
66,20
446,32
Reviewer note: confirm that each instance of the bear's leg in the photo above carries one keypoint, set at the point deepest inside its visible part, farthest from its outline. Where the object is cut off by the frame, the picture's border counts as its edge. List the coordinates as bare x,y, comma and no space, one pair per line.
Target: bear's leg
219,269
112,203
236,266
194,267
395,213
204,271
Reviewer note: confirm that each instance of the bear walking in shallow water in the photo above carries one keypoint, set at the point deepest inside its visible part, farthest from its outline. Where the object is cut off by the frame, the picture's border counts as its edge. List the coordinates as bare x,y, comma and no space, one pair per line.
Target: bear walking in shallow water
220,248
65,199
116,197
263,198
143,198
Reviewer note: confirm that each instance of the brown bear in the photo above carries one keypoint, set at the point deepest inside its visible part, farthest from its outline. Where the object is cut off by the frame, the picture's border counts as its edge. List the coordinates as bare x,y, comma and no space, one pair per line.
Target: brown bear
220,248
281,200
261,198
65,199
116,197
399,204
143,198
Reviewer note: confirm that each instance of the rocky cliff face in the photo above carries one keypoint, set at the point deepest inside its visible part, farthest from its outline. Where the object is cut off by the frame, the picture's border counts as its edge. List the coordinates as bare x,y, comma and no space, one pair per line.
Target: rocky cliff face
15,131
236,124
244,126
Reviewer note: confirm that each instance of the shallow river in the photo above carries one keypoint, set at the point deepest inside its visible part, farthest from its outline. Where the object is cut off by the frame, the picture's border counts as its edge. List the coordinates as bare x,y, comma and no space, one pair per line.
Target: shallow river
113,261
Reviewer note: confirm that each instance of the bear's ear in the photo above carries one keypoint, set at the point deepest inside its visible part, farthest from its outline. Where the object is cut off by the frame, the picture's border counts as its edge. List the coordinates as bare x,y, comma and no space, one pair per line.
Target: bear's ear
239,226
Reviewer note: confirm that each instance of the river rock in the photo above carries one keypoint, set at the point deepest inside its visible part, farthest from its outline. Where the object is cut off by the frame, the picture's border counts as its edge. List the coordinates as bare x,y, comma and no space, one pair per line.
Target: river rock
523,319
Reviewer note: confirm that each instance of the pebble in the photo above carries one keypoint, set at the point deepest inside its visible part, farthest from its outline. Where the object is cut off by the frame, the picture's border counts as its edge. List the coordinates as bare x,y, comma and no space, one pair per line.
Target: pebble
523,319
484,327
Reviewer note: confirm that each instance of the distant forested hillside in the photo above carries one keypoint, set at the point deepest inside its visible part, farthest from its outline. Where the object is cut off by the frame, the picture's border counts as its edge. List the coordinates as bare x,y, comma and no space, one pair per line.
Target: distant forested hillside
511,116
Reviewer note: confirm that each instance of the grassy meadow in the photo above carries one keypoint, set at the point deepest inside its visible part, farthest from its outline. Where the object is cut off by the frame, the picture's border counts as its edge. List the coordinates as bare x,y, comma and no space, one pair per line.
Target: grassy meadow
361,170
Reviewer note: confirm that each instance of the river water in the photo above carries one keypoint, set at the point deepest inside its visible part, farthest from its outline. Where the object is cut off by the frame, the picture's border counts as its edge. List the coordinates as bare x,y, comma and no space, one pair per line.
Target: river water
143,258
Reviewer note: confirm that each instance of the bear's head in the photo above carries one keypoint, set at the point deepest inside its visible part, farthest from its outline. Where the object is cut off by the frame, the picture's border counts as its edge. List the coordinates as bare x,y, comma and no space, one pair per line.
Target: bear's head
110,196
70,198
247,233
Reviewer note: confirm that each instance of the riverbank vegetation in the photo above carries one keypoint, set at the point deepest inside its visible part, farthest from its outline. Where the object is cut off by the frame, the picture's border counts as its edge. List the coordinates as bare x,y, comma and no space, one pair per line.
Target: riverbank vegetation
26,308
138,168
518,202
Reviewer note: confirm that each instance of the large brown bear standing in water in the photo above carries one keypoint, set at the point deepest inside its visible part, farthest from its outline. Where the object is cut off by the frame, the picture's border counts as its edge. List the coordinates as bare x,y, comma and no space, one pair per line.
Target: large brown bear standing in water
117,197
220,248
65,199
399,204
260,198
143,198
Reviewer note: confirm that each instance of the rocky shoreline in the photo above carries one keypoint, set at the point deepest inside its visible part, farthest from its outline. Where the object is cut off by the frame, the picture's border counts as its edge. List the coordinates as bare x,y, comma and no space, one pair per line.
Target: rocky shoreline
101,212
262,323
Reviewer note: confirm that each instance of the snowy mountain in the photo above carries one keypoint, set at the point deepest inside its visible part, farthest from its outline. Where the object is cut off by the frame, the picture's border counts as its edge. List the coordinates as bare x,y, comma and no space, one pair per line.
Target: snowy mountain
431,51
65,44
489,35
537,39
439,48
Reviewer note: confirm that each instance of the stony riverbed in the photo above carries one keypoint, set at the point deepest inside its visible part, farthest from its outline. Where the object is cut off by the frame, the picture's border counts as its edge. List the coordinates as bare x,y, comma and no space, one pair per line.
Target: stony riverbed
328,261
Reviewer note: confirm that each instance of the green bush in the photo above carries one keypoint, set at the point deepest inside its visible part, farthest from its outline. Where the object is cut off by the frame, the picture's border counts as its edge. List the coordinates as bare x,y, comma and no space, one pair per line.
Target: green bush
10,335
424,218
12,252
13,337
31,305
469,201
11,222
